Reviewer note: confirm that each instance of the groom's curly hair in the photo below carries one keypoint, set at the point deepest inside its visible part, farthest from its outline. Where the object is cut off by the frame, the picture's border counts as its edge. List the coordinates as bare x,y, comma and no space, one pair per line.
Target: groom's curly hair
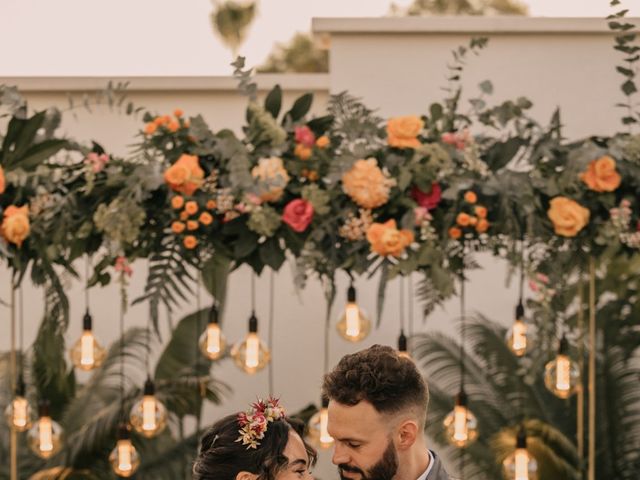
378,375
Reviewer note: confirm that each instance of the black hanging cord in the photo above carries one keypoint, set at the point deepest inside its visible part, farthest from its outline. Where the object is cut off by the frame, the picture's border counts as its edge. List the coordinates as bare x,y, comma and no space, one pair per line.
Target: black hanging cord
270,328
410,307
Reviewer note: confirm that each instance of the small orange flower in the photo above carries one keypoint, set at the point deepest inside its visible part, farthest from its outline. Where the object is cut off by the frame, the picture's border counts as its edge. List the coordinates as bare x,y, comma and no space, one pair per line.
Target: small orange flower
313,176
211,204
323,142
192,225
601,175
166,119
150,128
177,227
386,239
455,233
482,225
205,218
15,227
184,216
463,220
473,221
568,216
470,197
158,121
302,152
481,211
173,126
191,207
177,202
178,112
2,181
190,242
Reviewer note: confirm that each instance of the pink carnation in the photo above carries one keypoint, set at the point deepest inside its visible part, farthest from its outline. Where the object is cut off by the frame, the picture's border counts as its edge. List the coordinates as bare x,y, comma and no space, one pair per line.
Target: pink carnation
428,200
305,136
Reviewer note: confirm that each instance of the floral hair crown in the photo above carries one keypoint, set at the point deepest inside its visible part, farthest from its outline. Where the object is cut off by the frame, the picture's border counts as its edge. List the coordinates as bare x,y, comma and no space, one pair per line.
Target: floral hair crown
253,423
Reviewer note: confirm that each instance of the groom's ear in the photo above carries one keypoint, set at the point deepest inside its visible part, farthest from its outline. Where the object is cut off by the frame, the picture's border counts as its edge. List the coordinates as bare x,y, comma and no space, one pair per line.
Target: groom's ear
407,434
246,476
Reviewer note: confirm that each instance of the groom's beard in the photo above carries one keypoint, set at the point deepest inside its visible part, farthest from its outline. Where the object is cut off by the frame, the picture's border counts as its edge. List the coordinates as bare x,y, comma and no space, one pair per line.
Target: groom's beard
384,469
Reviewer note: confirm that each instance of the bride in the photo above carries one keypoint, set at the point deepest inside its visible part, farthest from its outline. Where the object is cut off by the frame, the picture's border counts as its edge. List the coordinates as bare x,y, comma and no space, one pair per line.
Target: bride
260,444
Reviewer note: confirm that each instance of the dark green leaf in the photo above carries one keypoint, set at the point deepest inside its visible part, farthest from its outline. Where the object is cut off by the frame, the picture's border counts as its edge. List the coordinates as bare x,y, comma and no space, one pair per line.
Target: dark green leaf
300,107
273,102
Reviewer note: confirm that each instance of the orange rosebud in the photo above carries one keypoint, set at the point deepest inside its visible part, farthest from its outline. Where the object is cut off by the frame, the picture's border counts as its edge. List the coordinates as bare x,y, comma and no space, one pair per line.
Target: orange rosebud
455,233
15,227
211,204
3,184
482,225
205,218
568,217
386,239
177,227
158,121
185,176
302,152
177,202
190,242
323,142
173,126
313,176
191,207
187,124
481,211
178,112
470,197
601,175
473,221
463,220
184,216
166,119
192,225
150,128
402,132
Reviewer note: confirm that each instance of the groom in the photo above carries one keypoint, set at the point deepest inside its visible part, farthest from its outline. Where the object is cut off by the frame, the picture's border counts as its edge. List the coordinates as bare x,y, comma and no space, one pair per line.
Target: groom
377,414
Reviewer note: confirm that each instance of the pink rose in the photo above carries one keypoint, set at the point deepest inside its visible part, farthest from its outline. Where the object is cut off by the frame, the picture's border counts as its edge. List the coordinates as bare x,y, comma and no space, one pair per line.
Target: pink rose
421,213
542,277
97,162
457,139
533,286
428,200
298,214
305,136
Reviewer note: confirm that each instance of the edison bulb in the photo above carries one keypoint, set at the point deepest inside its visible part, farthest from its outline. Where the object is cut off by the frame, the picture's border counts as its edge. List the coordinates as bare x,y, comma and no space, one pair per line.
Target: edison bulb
461,425
562,375
520,465
124,457
45,436
251,354
18,414
353,325
87,354
517,335
403,349
148,415
318,428
212,342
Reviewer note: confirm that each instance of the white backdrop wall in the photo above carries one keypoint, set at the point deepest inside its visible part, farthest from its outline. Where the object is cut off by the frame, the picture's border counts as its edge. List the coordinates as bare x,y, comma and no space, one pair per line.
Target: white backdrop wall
398,66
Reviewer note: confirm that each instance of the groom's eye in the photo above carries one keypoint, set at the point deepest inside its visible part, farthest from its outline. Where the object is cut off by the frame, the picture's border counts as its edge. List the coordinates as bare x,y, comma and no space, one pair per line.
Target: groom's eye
353,445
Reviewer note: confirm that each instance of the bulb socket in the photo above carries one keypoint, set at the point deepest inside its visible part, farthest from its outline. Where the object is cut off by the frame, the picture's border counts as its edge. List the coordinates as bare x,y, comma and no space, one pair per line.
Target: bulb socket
123,432
87,321
21,388
253,323
213,314
43,408
521,438
351,294
149,387
402,342
563,349
461,399
520,311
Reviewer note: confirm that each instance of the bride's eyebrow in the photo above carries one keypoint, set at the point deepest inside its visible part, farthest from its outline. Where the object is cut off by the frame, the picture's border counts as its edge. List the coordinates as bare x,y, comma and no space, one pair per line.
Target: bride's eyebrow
300,461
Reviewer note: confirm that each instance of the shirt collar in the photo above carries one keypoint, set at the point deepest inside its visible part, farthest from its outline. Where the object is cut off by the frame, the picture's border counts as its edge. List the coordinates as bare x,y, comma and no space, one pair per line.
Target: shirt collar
428,470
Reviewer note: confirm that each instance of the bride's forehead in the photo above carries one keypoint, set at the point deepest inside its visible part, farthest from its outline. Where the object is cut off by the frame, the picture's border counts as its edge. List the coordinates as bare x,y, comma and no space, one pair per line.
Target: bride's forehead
295,448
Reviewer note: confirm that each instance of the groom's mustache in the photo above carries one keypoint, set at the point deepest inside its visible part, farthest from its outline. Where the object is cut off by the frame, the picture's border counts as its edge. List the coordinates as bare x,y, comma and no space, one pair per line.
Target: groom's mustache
343,467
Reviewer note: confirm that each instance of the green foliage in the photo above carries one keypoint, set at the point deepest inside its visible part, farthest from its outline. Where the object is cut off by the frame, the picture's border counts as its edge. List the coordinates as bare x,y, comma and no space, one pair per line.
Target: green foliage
300,55
231,20
464,7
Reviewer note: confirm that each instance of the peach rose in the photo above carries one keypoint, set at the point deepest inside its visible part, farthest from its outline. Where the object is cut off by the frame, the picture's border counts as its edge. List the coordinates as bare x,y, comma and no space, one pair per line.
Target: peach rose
191,207
366,184
178,112
482,225
470,197
192,225
3,183
150,128
184,216
481,211
177,227
402,132
323,142
601,175
185,176
177,202
272,178
205,218
173,126
15,224
568,217
455,233
386,239
463,219
190,242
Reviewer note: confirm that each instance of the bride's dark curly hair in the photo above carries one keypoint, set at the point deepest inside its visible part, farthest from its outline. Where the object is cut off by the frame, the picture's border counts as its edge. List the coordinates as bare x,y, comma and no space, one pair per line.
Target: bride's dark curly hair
221,457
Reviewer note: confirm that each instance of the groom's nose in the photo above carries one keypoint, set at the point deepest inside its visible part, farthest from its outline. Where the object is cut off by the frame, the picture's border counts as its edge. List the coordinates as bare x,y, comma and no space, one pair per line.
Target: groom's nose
340,454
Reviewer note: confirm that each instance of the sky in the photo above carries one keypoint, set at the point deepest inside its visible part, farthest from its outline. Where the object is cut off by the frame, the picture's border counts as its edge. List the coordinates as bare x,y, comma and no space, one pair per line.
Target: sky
174,37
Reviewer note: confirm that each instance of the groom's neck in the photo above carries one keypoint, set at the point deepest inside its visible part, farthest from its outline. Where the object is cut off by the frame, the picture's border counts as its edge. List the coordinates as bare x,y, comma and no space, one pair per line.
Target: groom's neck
413,463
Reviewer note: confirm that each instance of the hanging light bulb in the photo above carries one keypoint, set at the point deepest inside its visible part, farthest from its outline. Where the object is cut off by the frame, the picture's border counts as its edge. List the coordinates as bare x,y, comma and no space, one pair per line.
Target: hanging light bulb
562,374
517,335
403,350
461,425
251,354
212,341
520,465
353,324
18,412
148,415
87,354
318,434
45,436
124,457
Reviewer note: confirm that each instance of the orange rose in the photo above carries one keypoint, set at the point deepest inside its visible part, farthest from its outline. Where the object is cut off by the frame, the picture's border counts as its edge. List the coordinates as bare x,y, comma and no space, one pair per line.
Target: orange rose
481,211
302,152
190,242
386,239
15,224
150,128
173,126
191,207
272,178
455,233
177,202
482,225
205,218
177,227
601,175
158,121
323,142
470,197
185,176
473,221
192,225
184,216
463,220
3,184
366,184
568,217
211,204
402,132
178,112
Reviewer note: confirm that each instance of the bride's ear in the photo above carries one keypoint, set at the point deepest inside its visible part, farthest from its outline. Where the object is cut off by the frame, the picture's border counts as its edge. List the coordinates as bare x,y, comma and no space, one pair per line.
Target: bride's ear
246,476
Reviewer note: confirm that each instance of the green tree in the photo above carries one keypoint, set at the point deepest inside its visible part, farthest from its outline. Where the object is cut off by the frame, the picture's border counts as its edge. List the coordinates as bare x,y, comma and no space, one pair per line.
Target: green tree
300,55
463,7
